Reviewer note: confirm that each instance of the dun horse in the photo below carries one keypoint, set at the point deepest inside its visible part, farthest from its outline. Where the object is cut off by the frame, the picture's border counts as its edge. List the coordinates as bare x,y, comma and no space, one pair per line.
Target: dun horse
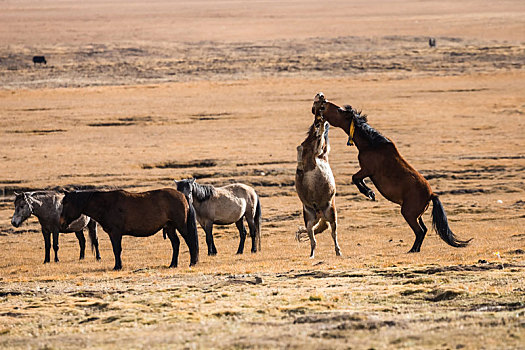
393,177
46,206
224,206
315,184
136,214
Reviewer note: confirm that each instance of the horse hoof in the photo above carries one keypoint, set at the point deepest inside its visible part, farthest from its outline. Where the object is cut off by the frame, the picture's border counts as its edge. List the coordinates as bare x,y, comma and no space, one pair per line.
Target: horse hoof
172,266
98,258
117,268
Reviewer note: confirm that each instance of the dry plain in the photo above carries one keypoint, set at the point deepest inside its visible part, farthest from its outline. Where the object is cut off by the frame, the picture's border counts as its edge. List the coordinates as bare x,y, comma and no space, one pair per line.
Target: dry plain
137,94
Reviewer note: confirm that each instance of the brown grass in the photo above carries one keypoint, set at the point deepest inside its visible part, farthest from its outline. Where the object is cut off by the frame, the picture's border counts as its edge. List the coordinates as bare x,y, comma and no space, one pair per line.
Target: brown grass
233,114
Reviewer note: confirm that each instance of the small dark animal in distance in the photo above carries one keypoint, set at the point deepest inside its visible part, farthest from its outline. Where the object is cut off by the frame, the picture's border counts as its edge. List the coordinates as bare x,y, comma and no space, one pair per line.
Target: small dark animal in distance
432,42
39,59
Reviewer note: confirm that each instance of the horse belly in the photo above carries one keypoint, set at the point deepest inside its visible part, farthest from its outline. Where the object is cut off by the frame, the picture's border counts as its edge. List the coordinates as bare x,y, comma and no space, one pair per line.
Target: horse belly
229,212
317,186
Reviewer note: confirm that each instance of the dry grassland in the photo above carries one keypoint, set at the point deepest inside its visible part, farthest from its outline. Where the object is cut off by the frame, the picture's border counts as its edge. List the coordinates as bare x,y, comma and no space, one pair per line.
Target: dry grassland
229,100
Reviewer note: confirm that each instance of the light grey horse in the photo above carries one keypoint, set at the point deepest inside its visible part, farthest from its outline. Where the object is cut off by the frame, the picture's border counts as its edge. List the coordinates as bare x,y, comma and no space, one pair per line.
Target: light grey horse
224,206
315,185
47,206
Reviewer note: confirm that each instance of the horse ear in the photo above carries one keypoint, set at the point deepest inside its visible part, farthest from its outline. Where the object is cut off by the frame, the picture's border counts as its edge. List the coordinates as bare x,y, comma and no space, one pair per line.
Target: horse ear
192,181
16,193
176,182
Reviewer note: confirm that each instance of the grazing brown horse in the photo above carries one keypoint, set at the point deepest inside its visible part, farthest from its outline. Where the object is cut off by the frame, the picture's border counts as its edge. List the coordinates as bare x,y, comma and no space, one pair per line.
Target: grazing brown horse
393,177
136,214
315,185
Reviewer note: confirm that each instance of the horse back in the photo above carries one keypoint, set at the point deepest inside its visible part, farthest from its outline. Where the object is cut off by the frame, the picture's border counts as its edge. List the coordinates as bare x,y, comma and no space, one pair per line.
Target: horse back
143,214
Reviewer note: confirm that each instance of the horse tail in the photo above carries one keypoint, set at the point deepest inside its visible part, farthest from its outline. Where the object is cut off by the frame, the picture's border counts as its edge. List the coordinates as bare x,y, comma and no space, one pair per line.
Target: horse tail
257,220
92,230
440,224
191,226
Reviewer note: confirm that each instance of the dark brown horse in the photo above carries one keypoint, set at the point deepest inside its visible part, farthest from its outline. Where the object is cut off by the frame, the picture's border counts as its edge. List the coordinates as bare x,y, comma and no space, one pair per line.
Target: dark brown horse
393,177
136,214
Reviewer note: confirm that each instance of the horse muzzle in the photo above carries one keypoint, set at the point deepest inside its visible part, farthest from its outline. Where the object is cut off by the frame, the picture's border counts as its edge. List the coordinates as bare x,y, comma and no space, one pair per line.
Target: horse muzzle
15,223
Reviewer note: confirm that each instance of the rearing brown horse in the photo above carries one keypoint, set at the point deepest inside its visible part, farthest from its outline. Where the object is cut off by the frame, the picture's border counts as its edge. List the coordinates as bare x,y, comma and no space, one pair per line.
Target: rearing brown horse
394,178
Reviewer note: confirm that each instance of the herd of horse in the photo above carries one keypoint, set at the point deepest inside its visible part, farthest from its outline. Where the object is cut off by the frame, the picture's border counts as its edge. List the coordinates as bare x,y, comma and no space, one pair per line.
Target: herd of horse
143,214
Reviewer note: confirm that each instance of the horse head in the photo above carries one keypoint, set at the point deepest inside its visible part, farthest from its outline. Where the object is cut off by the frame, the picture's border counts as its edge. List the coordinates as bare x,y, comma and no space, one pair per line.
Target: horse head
73,204
186,187
318,108
23,208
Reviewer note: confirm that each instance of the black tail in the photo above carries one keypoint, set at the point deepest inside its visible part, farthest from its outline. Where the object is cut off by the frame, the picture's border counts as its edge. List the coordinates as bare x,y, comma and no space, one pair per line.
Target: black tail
92,230
191,225
257,220
440,224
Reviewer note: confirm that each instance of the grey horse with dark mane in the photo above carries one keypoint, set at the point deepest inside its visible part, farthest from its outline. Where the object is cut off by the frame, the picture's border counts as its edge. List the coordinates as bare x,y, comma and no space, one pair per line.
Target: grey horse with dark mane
47,206
223,206
315,185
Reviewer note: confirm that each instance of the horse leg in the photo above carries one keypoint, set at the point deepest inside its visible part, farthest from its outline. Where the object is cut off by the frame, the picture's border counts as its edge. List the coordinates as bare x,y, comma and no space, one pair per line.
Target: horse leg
412,220
425,230
175,244
47,245
242,234
193,259
208,228
253,231
55,245
358,180
320,227
311,220
116,243
81,243
331,216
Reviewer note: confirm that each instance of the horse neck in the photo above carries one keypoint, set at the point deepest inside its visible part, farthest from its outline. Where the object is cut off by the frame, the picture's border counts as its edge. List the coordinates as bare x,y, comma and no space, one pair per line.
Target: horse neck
39,206
360,141
90,207
332,114
316,147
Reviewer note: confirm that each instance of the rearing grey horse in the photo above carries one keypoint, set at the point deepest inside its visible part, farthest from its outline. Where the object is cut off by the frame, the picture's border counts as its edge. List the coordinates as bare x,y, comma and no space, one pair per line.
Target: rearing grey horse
47,206
223,206
315,184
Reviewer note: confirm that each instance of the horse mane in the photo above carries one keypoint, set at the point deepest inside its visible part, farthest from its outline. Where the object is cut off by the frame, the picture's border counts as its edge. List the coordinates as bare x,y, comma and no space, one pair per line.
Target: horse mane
203,192
361,123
